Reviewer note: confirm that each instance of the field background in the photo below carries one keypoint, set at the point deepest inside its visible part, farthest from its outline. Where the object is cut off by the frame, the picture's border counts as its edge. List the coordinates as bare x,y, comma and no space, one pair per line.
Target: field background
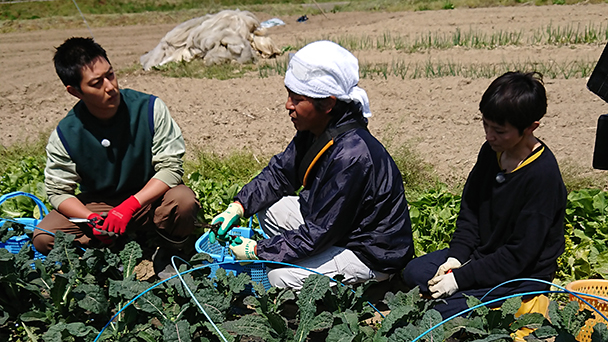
436,115
424,64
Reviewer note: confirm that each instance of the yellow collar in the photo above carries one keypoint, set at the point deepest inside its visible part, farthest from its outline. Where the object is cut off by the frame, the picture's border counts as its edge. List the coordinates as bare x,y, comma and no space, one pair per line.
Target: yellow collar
526,161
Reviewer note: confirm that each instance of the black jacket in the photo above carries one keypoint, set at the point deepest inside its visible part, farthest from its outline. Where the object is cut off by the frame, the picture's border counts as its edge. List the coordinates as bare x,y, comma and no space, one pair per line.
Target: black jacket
353,199
511,227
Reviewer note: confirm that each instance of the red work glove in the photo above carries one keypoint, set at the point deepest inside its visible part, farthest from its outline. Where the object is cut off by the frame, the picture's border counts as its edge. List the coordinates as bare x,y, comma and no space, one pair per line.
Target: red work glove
96,222
119,217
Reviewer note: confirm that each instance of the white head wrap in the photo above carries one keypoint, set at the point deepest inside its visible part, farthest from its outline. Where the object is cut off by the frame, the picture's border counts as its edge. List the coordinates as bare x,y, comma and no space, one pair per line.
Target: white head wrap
322,69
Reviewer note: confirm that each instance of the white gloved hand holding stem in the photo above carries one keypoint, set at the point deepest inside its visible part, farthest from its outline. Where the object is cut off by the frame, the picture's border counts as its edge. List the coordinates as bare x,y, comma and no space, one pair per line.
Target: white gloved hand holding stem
450,264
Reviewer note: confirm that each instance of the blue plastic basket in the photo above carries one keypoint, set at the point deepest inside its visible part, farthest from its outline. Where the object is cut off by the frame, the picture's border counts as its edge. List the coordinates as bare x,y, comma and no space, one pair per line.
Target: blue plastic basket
221,253
15,243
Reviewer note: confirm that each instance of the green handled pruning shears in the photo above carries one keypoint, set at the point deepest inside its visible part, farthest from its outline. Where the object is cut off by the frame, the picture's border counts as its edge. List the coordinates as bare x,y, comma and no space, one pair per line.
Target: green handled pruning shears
215,228
233,240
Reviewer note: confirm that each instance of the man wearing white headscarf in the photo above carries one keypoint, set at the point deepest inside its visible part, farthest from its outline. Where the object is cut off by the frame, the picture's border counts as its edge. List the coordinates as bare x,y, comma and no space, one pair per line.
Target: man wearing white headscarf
351,216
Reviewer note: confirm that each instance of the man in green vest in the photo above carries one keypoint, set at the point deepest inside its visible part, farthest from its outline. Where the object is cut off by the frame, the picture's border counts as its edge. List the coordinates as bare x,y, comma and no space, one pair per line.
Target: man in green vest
124,151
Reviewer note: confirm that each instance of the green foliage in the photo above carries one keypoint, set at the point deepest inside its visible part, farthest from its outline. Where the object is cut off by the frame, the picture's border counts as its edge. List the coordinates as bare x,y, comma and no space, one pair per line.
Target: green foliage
566,321
416,173
407,311
275,67
25,175
474,39
448,5
198,69
216,180
73,293
586,225
433,217
577,178
600,333
34,10
22,169
213,196
405,69
500,324
29,11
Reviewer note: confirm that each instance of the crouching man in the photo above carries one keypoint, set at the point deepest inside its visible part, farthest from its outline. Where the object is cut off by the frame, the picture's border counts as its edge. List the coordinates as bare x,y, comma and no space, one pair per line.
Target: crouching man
125,152
350,216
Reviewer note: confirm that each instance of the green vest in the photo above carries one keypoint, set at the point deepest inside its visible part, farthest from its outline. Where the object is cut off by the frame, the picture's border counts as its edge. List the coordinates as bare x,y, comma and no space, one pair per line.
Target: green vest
123,167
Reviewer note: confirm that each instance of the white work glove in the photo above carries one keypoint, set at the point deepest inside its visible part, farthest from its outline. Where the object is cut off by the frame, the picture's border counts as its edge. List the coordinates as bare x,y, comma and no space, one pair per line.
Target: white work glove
243,248
451,264
228,219
443,285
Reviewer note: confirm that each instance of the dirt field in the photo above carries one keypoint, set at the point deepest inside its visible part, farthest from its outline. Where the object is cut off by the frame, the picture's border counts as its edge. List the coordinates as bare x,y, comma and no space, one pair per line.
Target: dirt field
438,117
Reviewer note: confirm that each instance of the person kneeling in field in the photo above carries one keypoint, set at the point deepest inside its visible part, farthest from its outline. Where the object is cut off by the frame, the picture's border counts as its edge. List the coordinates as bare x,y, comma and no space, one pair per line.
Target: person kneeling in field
351,215
125,151
511,216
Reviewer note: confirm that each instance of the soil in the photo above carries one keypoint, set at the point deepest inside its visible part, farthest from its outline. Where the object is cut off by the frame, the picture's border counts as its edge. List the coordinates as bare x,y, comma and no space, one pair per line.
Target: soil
438,117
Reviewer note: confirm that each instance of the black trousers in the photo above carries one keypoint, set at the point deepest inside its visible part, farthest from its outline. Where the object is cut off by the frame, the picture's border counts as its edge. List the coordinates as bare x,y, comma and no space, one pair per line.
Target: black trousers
420,270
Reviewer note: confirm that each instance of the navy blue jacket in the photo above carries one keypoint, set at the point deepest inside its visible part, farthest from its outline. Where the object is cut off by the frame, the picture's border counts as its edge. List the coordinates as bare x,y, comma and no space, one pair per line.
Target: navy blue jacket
354,199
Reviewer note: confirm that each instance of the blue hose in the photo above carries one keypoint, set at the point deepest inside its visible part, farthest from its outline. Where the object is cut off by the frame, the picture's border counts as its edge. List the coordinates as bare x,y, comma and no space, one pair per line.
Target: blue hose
37,228
194,298
33,227
334,280
563,290
152,287
179,274
475,307
576,294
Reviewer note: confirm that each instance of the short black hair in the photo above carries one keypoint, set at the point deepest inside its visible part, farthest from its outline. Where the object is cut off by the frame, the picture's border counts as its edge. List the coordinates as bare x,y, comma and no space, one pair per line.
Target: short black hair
515,97
73,55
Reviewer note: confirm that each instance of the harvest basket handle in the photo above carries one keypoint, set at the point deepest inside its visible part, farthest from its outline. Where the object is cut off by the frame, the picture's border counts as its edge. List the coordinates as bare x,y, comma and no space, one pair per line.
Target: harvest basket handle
41,207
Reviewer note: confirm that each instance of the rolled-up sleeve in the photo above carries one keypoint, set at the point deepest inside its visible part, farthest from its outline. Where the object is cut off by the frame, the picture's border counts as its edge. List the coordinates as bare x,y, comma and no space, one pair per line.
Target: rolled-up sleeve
168,146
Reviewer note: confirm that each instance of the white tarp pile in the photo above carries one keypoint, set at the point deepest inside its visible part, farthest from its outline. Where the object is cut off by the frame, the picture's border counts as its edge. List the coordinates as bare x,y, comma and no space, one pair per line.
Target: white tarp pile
230,35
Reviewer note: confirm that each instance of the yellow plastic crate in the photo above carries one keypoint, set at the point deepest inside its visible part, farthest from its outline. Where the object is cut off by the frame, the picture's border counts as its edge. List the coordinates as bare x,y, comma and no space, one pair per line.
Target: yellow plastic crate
597,287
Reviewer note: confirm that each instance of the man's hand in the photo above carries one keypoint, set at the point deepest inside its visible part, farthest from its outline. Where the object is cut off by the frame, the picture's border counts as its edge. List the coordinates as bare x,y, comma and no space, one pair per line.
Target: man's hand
119,217
96,224
228,219
244,249
443,285
450,264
